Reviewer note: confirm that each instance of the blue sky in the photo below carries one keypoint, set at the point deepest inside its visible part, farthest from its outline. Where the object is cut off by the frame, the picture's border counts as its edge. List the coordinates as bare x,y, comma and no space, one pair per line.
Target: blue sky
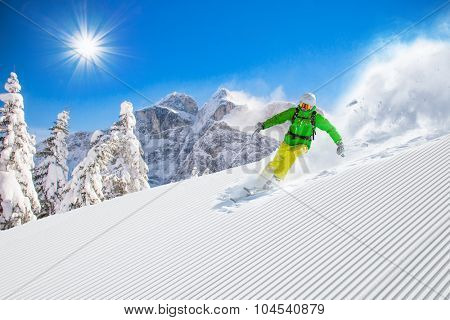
192,47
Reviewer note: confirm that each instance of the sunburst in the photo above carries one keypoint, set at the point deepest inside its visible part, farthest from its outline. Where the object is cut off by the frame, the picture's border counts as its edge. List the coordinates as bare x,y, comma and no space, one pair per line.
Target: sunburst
88,46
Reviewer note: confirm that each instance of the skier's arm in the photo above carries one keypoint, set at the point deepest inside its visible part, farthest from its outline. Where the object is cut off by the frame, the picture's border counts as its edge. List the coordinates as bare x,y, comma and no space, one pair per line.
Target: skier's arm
279,118
323,124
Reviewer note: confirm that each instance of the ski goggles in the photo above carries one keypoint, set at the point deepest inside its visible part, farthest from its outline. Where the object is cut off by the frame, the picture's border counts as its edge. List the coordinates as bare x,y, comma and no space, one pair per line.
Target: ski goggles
305,106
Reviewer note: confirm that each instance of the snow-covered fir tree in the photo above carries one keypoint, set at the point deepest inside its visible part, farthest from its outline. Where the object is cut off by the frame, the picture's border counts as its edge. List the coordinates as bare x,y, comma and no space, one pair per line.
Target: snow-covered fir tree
86,186
12,84
15,208
128,170
113,166
17,148
50,176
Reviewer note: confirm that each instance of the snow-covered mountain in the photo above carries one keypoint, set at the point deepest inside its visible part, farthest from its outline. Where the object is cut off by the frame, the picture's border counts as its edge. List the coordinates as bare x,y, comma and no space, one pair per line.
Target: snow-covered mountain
78,144
178,139
164,131
220,147
215,109
374,227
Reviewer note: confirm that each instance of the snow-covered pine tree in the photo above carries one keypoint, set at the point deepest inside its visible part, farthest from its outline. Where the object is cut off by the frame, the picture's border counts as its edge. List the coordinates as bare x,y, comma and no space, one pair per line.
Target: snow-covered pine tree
128,170
86,186
12,84
112,167
50,176
15,208
16,156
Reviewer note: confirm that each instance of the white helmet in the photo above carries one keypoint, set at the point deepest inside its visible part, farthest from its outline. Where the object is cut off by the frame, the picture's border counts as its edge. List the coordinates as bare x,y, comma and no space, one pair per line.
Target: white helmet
308,98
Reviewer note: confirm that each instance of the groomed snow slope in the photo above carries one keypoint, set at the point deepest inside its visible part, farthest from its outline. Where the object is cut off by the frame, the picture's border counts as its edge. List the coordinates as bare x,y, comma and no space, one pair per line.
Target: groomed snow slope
378,230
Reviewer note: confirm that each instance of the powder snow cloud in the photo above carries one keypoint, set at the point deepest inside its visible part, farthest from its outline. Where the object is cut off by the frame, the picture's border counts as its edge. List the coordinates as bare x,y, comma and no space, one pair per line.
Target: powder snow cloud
405,88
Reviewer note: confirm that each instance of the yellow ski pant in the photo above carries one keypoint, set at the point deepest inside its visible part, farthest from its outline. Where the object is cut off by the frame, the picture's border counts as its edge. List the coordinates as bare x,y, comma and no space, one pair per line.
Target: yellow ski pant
284,159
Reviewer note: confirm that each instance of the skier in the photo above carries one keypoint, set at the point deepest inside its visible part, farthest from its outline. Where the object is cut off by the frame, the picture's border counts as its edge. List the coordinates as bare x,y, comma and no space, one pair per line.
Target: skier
304,117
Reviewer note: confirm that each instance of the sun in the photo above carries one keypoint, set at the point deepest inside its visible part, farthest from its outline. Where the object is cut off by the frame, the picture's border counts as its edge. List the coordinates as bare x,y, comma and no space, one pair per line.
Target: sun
87,47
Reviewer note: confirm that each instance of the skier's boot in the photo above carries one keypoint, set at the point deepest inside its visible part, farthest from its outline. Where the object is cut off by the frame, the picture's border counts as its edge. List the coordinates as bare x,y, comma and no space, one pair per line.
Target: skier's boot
263,178
271,183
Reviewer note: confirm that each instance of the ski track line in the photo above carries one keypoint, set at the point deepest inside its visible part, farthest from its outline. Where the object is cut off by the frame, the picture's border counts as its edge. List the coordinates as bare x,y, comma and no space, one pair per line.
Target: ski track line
162,254
48,253
87,257
320,255
78,217
427,251
296,231
445,291
444,281
415,209
388,277
192,251
104,272
33,245
189,233
348,256
256,272
392,243
224,272
68,256
176,240
436,268
391,275
370,271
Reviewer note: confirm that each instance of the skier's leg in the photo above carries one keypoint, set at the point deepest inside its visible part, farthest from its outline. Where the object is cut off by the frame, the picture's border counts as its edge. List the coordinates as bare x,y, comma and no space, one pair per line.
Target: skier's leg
289,156
278,168
300,151
267,173
276,162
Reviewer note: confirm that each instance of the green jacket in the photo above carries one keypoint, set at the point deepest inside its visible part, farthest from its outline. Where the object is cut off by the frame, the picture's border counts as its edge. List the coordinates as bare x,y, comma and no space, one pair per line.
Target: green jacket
302,126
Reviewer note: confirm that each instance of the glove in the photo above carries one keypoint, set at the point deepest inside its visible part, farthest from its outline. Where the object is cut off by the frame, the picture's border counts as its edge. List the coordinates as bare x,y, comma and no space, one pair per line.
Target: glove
259,126
340,149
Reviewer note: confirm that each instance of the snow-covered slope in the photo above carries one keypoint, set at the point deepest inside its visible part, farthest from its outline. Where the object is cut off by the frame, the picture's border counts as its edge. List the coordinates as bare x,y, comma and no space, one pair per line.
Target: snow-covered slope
374,229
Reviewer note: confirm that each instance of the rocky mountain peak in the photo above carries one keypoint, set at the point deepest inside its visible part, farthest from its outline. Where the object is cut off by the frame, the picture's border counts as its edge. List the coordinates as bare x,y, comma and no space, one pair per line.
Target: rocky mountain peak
215,108
180,102
221,93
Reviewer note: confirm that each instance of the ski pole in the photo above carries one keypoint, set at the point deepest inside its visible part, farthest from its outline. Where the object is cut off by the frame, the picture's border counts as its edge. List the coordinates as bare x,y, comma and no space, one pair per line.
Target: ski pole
254,133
